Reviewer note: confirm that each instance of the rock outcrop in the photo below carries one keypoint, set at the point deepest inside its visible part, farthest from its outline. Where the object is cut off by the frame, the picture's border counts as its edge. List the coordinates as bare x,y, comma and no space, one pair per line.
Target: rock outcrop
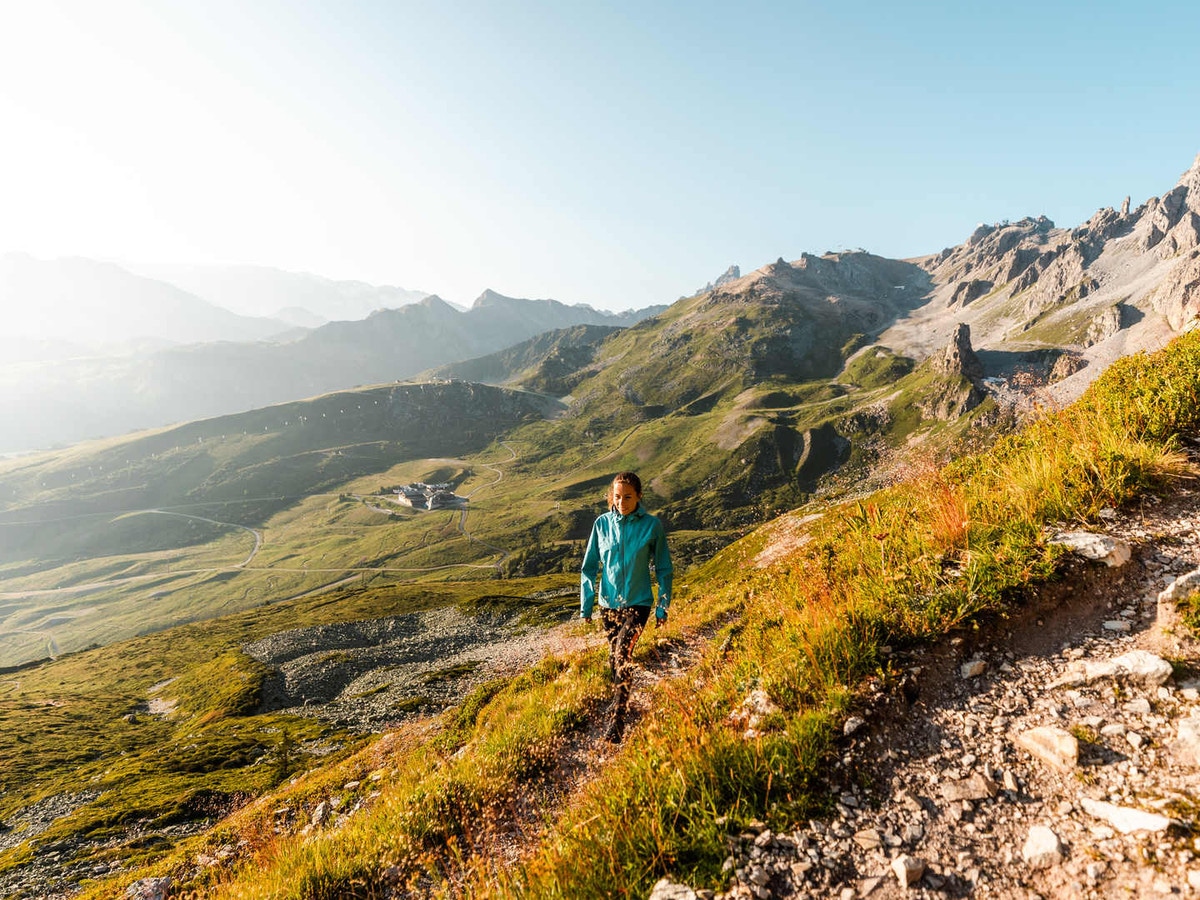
1178,297
958,358
733,273
1104,325
960,372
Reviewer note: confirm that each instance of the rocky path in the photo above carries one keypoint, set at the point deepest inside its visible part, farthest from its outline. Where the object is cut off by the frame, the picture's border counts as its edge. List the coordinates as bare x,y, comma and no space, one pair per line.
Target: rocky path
1057,755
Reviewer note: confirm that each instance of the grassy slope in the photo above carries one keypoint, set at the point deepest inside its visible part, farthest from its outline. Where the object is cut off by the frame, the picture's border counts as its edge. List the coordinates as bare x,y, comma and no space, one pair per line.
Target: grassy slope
161,569
905,565
63,725
161,525
716,397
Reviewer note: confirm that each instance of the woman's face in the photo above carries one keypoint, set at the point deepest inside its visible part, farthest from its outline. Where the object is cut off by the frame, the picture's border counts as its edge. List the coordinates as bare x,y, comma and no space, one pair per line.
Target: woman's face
625,498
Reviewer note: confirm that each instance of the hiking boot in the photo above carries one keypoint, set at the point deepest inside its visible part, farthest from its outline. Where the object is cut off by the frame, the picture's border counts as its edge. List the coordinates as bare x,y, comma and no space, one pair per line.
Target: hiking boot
615,729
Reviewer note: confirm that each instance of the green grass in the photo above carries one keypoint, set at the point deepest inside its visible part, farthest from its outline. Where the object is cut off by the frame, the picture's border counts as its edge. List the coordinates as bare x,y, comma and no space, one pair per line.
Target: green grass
302,475
876,367
83,721
943,551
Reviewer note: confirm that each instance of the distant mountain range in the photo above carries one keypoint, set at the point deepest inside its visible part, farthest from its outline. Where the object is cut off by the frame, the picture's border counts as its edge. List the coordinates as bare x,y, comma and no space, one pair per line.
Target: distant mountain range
1051,304
294,297
76,306
81,305
58,401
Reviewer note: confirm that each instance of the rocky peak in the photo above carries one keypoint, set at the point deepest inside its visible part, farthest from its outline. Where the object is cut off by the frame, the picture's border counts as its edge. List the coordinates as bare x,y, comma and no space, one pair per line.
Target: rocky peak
733,273
433,302
958,357
491,298
1191,178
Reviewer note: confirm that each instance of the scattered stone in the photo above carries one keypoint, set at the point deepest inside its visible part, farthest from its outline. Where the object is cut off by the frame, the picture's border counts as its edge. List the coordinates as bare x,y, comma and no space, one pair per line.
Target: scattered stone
1138,667
1186,746
868,839
1139,706
752,711
1123,818
321,814
1181,588
908,869
149,889
974,787
1112,551
852,725
1117,625
1054,746
1042,848
665,889
974,668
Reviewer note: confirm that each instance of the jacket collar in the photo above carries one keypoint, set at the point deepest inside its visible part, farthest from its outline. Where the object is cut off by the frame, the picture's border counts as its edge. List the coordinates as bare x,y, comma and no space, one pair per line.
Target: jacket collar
636,514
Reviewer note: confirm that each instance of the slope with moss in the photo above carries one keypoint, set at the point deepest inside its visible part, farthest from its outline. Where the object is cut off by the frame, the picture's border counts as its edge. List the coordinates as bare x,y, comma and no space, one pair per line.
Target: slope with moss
145,741
903,567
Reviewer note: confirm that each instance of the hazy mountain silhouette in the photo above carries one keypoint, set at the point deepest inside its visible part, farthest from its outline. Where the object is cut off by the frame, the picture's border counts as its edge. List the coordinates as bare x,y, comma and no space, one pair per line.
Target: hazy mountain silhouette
297,297
48,403
92,304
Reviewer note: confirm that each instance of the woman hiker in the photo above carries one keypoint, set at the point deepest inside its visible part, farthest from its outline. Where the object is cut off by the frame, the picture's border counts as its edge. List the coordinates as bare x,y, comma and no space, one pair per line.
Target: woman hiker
626,542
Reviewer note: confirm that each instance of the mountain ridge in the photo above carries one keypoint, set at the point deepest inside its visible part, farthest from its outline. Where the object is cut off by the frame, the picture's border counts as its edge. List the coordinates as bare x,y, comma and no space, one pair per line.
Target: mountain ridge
265,290
94,303
54,402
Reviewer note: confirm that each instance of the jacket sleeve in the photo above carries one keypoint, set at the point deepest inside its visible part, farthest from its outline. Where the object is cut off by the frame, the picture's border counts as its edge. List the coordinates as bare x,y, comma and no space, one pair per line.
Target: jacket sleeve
590,573
662,566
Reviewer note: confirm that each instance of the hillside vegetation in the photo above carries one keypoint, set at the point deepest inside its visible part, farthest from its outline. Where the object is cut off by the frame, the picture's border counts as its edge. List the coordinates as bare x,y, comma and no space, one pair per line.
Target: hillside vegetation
109,540
729,398
145,741
941,551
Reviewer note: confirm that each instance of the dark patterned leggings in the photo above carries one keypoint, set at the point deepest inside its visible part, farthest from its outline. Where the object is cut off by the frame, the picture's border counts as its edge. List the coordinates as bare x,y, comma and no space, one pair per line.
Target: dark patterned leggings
622,627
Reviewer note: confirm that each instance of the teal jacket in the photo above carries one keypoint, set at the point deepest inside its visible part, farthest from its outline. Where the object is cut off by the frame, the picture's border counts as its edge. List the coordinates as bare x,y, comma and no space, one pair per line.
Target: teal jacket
616,565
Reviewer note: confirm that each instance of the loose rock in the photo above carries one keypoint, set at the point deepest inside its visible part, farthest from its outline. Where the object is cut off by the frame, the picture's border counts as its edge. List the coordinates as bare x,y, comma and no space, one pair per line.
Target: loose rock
1186,746
1054,746
1138,667
974,668
976,787
1124,819
1112,551
665,889
908,869
1042,848
149,889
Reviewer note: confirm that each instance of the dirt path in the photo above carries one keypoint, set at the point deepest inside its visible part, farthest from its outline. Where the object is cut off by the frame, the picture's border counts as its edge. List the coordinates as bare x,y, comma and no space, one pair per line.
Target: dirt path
943,779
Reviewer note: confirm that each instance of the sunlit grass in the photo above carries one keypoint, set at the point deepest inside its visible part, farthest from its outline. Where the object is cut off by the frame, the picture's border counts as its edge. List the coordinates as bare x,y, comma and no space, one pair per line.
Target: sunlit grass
903,566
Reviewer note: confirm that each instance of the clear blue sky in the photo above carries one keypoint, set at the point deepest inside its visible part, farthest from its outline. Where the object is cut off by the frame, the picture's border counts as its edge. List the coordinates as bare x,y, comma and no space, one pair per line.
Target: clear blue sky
618,154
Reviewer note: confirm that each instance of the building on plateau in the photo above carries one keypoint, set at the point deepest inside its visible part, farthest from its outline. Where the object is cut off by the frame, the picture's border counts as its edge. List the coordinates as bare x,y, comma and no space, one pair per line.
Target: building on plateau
419,495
